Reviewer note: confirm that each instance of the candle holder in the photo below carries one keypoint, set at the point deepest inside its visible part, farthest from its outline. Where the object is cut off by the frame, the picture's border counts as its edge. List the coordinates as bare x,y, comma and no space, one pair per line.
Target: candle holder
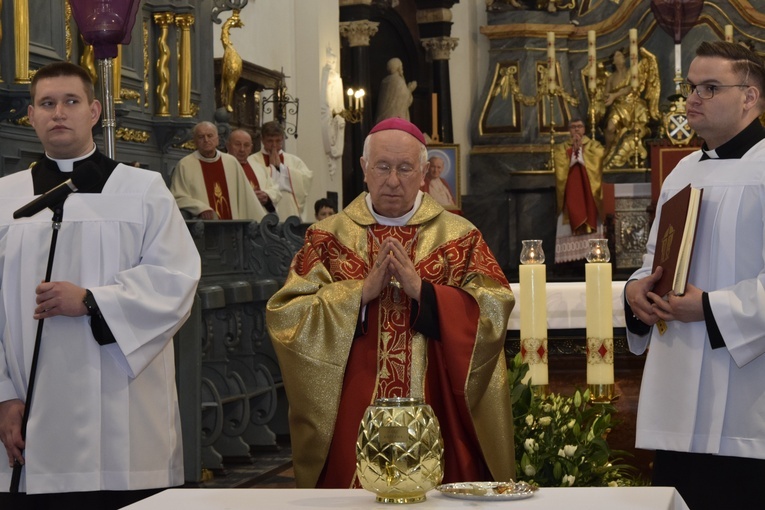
355,111
532,252
598,251
600,331
533,308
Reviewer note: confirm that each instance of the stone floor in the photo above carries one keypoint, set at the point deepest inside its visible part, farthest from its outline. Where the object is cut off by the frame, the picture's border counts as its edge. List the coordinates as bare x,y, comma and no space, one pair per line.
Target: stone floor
269,468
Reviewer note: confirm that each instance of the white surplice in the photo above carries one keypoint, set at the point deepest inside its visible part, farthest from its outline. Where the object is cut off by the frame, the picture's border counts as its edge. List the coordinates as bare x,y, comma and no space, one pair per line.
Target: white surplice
694,398
102,417
294,179
266,183
190,191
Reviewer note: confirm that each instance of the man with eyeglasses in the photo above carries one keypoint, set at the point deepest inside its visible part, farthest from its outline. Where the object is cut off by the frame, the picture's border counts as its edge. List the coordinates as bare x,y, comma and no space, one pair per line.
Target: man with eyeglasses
394,297
702,401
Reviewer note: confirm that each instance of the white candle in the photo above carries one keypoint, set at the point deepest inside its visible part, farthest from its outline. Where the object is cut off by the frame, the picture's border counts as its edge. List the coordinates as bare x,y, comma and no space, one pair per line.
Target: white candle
678,60
533,309
633,58
592,60
728,33
551,62
599,320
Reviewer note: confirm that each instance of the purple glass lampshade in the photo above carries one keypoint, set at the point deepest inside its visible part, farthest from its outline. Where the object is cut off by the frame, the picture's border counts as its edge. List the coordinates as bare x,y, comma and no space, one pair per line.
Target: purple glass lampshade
105,23
677,17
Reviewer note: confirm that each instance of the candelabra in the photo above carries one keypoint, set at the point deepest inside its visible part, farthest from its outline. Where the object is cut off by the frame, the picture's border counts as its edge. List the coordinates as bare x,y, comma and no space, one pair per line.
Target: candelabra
355,111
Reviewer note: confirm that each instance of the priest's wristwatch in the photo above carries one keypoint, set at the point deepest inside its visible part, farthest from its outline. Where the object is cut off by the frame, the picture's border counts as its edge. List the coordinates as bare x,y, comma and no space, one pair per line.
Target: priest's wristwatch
90,303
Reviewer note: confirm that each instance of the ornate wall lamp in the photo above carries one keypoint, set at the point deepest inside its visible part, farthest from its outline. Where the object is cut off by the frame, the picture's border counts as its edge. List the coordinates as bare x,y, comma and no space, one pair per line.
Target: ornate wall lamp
105,24
282,105
355,110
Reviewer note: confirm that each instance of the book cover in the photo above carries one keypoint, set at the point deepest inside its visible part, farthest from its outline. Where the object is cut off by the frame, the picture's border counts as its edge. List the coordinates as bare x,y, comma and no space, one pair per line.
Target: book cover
674,242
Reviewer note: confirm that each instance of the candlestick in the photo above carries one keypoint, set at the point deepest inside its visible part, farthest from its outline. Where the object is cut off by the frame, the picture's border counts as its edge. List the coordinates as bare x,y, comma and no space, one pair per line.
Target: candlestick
533,309
592,60
551,62
599,320
728,33
634,82
434,109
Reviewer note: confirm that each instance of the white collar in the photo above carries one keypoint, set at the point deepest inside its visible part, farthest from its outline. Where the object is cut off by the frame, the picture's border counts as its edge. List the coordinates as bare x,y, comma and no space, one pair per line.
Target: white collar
67,165
394,222
712,154
207,160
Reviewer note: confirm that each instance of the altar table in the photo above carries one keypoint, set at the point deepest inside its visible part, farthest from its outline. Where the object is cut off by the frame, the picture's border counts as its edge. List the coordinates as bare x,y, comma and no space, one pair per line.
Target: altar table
566,305
600,498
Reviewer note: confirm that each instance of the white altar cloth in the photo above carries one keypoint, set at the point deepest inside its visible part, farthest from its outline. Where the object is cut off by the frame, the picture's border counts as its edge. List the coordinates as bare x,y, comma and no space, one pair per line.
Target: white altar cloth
566,305
600,498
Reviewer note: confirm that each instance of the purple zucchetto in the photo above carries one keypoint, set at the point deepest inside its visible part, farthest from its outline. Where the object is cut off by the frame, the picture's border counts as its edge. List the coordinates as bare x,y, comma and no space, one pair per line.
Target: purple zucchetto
399,124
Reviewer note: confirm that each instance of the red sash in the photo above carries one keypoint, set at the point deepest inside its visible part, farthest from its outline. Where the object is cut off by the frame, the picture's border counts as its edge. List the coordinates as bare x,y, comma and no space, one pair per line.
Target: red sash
582,212
217,188
250,173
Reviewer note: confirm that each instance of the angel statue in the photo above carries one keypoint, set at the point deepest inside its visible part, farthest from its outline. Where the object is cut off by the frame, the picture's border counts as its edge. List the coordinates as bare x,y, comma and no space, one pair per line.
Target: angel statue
624,111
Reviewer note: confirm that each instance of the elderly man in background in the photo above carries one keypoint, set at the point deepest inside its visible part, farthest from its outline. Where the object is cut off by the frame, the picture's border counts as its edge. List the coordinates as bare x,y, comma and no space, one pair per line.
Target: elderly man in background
239,145
293,176
395,298
211,185
437,185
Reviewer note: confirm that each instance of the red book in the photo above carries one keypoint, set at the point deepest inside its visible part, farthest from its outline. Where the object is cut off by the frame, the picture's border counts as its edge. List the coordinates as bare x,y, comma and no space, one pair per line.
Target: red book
674,242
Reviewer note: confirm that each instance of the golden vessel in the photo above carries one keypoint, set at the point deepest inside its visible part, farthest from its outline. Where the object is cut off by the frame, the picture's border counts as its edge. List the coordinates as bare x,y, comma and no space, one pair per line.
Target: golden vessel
399,450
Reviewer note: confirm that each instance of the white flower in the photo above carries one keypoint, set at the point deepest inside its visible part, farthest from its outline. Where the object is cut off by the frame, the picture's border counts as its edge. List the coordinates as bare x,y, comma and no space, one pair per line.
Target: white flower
569,479
547,408
545,421
529,419
561,453
529,470
571,423
569,450
613,484
529,444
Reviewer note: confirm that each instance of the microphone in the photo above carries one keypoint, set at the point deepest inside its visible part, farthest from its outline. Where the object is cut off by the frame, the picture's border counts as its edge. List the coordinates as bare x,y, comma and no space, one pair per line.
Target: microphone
84,177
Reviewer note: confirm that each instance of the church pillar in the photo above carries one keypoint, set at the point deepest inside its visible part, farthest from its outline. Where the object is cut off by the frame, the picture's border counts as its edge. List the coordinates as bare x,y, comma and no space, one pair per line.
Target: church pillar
439,50
357,31
434,20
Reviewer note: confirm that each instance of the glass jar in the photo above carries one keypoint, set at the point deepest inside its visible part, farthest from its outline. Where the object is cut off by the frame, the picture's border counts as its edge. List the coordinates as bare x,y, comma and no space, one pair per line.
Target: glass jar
598,251
532,252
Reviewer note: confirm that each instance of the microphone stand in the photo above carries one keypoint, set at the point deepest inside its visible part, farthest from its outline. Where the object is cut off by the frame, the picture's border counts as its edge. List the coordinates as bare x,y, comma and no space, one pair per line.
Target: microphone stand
58,214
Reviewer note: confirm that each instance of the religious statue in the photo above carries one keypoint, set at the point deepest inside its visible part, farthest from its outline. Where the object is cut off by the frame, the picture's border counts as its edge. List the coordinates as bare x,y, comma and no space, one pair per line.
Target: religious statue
332,124
232,62
395,95
625,110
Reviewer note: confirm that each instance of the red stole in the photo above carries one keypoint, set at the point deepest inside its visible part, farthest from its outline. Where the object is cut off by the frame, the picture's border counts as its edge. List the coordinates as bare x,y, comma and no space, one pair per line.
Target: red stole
379,366
581,208
217,188
250,173
267,158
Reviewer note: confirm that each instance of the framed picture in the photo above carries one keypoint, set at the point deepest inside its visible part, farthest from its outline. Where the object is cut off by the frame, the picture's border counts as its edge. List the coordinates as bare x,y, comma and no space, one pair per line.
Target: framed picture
442,181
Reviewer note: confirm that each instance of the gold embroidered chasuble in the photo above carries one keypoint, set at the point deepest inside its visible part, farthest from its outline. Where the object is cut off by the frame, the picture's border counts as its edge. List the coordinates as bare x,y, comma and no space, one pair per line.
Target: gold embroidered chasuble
313,320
